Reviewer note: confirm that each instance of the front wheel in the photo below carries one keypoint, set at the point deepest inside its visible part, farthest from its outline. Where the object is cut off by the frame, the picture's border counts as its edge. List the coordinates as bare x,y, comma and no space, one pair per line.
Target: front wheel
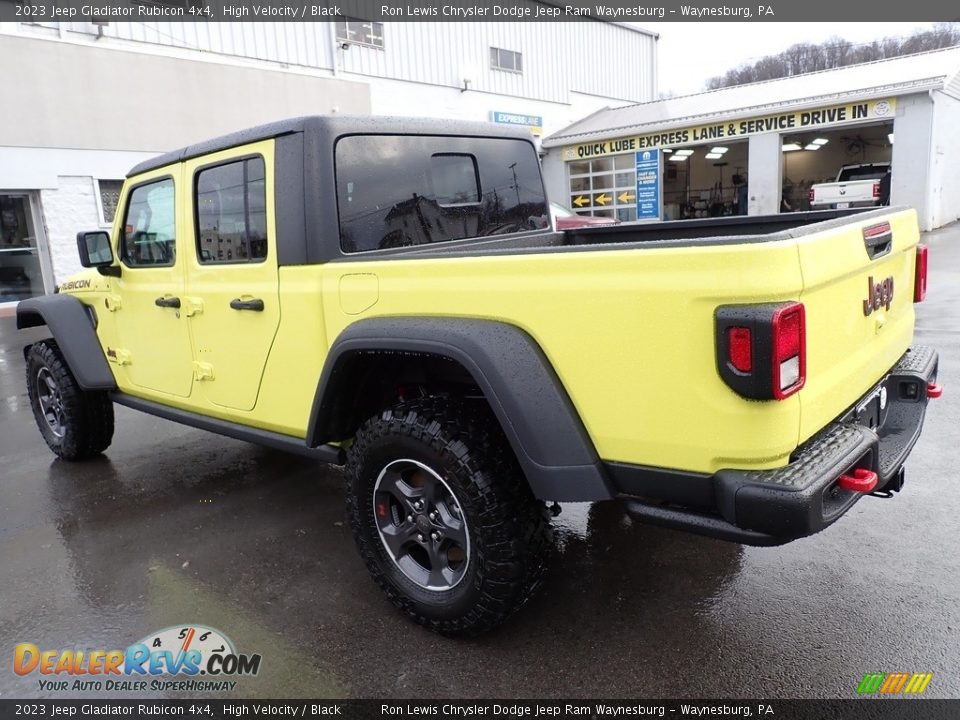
443,516
75,423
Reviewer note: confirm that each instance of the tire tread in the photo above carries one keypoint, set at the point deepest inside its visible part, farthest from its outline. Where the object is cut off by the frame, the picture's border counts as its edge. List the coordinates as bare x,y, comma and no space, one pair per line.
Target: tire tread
513,527
89,414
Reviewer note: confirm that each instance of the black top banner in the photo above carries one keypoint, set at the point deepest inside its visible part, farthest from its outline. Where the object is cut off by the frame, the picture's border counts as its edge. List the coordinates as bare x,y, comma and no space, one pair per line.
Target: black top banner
638,11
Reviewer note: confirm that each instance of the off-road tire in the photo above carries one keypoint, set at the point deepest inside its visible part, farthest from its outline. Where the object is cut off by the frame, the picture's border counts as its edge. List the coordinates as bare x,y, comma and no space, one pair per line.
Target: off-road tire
85,417
509,529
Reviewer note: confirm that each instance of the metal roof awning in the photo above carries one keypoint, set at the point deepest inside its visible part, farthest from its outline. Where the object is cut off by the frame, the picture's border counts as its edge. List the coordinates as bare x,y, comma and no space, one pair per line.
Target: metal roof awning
885,78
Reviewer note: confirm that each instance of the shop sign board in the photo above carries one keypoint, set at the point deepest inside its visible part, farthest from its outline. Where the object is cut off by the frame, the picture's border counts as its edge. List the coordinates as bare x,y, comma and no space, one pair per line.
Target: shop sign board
649,172
793,121
534,122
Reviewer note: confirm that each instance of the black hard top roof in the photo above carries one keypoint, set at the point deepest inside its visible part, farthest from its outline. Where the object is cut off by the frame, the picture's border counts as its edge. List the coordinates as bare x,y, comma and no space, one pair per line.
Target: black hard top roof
334,126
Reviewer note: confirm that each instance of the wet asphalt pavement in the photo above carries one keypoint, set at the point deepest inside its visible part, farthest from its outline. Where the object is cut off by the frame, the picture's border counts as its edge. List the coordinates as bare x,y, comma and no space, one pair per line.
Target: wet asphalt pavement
177,526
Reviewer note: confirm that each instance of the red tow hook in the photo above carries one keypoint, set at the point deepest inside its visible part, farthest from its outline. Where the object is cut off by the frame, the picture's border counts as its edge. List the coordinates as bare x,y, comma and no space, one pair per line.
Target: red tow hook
861,480
934,391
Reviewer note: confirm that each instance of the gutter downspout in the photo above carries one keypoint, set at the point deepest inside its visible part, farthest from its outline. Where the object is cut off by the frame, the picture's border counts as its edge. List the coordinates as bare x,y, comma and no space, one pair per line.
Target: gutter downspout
931,162
333,48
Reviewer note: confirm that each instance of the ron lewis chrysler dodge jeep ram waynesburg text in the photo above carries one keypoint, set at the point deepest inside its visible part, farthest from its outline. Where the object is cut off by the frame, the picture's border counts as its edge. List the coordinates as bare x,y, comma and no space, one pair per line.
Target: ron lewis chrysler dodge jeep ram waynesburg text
369,292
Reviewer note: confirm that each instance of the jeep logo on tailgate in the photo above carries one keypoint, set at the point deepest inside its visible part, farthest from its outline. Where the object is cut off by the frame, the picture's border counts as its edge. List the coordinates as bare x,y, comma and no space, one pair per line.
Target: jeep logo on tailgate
879,295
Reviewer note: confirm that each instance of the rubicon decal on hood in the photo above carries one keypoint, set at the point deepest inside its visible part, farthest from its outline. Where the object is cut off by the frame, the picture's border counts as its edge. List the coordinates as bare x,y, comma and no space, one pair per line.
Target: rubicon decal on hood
75,285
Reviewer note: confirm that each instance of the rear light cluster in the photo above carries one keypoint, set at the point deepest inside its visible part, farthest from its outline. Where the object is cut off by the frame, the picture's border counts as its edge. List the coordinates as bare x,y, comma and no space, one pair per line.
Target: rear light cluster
811,195
920,275
761,349
876,189
789,357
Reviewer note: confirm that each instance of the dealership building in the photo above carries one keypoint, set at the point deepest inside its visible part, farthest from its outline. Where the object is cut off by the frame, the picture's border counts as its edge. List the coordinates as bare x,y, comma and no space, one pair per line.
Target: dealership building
749,148
96,99
93,100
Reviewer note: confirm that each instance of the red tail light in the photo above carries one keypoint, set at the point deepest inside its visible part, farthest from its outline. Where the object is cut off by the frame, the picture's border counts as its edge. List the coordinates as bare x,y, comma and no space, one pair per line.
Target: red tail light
876,189
789,350
739,348
811,195
920,278
761,349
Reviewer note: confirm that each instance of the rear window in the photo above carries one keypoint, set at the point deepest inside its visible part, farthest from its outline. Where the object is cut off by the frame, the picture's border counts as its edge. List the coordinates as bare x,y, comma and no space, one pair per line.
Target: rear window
404,190
870,172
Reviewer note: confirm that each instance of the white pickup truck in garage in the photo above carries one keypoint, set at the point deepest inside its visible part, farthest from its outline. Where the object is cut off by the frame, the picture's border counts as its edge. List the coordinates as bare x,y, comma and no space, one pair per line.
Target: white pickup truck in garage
856,186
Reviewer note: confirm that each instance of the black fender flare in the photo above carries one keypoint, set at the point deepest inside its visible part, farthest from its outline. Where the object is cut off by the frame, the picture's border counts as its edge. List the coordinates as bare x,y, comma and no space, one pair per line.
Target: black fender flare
537,416
72,326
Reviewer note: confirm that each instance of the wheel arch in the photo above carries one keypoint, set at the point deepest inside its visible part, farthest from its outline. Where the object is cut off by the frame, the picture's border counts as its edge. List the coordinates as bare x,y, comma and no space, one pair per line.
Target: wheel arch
517,380
72,326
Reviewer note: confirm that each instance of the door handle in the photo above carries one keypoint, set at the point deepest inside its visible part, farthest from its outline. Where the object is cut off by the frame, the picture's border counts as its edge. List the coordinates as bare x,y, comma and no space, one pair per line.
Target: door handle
173,302
256,304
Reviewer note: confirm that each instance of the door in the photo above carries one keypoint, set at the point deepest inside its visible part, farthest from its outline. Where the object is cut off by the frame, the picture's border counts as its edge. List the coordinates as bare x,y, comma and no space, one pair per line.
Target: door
153,340
22,260
232,276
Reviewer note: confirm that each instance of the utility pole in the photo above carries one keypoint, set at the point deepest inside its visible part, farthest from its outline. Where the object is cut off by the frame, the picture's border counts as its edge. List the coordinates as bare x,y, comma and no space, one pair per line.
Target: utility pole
513,169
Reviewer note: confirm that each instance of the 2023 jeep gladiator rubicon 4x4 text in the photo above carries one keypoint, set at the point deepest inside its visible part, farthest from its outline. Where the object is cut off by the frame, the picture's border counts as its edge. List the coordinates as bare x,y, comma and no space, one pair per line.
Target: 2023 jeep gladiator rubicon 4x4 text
368,292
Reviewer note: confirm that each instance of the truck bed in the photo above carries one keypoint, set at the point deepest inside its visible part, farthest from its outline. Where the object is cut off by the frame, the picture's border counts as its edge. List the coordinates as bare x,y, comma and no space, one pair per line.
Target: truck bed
676,233
600,301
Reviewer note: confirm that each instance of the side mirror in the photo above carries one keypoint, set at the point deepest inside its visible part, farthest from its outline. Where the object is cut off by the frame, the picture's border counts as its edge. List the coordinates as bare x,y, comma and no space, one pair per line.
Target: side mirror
94,248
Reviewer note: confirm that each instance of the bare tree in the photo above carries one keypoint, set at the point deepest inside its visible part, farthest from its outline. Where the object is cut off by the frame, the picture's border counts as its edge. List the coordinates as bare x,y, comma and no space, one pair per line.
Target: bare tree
837,52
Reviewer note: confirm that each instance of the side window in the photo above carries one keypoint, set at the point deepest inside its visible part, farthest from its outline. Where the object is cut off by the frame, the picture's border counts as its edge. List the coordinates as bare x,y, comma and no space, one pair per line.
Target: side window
455,179
231,203
149,227
404,190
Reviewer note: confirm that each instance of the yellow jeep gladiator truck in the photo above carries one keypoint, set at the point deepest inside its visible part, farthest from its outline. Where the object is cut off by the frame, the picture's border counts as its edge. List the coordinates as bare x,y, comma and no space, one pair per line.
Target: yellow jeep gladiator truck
368,292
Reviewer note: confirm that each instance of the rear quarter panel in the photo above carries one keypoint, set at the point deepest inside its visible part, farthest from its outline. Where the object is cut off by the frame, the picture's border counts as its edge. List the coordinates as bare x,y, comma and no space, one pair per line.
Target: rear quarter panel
629,332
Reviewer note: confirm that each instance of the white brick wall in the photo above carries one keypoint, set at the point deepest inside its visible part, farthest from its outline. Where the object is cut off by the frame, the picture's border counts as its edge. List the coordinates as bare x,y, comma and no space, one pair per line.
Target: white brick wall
70,208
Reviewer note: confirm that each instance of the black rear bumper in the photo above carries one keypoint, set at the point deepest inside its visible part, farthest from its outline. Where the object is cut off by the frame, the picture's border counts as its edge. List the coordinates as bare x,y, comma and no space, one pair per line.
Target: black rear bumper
772,507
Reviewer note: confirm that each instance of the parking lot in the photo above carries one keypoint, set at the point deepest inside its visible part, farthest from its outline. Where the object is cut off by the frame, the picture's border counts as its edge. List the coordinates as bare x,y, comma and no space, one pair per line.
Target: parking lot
175,526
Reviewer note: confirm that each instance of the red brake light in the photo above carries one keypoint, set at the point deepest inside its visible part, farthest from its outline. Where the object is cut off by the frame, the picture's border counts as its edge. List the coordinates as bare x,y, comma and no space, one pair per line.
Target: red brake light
874,231
876,189
739,348
920,278
811,195
789,350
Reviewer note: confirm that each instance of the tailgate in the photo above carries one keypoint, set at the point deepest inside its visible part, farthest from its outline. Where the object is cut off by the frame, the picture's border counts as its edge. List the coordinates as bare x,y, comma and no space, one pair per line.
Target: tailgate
855,333
853,191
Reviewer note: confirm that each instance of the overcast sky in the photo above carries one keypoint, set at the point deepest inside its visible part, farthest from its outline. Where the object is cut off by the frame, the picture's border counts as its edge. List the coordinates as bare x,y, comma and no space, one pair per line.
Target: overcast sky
692,52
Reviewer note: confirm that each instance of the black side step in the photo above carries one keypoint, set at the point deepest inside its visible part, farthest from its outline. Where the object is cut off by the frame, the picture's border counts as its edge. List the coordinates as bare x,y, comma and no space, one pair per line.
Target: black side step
324,453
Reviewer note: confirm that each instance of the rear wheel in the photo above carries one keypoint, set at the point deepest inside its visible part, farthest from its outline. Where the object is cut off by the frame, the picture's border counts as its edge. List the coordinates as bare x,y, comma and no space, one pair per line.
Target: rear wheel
76,424
443,516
